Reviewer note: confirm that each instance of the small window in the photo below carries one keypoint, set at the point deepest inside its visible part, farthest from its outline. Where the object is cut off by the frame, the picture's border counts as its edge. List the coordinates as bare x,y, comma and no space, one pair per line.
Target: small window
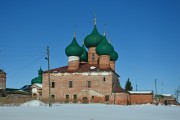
107,98
70,84
52,96
89,84
52,84
67,98
75,98
93,56
92,98
104,78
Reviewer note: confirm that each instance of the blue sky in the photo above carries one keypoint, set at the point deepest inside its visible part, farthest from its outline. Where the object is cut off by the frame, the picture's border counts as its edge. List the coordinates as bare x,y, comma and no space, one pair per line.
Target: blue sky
145,33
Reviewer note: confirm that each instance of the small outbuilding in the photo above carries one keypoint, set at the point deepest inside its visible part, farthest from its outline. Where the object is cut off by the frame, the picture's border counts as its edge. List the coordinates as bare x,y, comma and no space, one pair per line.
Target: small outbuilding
140,97
166,99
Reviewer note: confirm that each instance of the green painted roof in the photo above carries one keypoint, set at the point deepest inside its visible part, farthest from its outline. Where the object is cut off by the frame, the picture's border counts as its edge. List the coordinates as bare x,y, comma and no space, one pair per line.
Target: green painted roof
93,39
104,48
17,91
114,56
39,78
40,72
36,80
84,56
73,49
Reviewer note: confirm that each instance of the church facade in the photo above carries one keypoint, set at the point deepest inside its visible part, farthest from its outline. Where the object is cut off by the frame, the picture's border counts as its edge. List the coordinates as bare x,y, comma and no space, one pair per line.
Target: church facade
89,77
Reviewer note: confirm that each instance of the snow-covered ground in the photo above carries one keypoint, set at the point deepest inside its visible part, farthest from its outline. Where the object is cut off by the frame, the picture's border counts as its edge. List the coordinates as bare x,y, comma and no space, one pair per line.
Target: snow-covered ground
88,112
33,103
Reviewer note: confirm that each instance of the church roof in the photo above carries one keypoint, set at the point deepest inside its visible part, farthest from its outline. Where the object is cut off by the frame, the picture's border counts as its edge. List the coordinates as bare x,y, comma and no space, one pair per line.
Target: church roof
40,71
104,48
84,55
38,85
39,78
114,56
74,49
84,67
118,89
93,39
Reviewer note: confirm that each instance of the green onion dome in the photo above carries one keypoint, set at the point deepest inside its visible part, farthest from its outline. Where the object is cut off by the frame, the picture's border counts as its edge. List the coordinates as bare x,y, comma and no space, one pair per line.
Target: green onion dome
114,56
84,56
93,39
74,49
104,48
39,78
40,72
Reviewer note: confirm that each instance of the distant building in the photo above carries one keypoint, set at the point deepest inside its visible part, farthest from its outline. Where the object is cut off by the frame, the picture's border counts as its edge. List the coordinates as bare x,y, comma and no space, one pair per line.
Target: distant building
26,88
2,83
36,90
166,99
36,85
17,93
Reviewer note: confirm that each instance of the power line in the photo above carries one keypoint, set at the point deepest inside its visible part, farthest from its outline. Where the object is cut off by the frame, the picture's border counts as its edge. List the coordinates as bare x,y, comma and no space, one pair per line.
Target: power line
18,70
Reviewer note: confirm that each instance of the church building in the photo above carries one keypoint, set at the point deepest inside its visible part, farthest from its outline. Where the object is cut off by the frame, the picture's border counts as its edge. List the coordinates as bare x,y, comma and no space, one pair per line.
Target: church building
89,77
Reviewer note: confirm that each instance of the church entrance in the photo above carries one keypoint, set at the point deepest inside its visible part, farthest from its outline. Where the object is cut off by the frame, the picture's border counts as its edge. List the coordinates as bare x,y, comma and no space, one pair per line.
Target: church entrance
85,100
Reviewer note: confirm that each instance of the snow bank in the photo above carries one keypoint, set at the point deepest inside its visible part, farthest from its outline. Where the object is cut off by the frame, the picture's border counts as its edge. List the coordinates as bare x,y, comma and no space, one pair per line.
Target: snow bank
33,103
91,112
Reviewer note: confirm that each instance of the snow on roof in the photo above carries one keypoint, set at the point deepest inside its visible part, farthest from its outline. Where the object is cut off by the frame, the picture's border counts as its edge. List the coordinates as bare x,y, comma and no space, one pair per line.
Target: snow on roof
25,87
140,92
167,95
39,85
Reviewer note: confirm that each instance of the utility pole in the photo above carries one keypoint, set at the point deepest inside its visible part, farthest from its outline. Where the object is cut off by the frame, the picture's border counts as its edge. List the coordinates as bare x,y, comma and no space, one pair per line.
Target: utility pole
49,83
155,87
177,94
156,91
136,87
162,87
